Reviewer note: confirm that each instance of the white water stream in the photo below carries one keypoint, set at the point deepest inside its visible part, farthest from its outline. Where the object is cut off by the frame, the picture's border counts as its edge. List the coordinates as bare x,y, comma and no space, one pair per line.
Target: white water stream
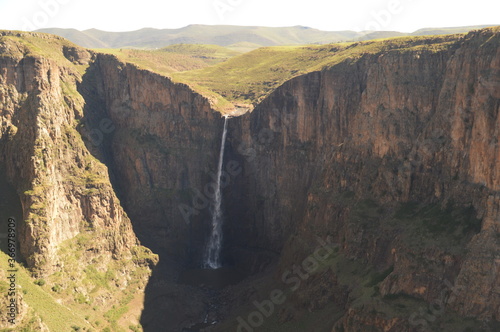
212,254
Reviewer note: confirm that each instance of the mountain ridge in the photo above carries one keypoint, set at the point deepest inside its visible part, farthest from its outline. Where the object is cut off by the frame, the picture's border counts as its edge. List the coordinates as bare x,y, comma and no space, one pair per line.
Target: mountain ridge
226,35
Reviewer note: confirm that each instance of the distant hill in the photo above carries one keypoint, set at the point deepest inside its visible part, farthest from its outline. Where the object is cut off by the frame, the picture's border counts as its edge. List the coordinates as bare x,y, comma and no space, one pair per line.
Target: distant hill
78,37
240,38
382,34
369,35
223,35
447,31
173,58
248,78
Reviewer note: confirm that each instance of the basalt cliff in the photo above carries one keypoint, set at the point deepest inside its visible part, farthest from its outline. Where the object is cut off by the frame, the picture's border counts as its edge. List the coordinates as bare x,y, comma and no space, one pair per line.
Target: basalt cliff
387,163
394,158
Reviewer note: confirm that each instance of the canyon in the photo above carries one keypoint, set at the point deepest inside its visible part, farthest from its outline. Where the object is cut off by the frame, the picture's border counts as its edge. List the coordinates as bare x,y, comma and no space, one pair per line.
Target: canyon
386,160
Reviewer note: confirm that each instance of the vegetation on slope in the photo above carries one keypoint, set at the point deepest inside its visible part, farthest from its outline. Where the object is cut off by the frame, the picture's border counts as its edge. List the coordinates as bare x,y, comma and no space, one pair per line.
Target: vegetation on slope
18,44
252,76
447,31
70,301
90,290
44,306
181,57
229,78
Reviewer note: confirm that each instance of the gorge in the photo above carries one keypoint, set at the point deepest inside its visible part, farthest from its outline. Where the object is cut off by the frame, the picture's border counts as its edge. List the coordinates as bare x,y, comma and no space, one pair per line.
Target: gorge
390,152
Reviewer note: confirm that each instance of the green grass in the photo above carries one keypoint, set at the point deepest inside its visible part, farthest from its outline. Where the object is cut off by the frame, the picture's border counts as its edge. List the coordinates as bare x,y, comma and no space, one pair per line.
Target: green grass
210,53
26,44
56,316
446,31
114,314
227,79
179,58
174,58
244,47
250,77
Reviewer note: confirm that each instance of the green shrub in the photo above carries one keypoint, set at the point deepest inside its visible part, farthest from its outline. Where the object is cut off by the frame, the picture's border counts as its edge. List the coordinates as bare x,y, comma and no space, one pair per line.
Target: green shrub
39,282
56,288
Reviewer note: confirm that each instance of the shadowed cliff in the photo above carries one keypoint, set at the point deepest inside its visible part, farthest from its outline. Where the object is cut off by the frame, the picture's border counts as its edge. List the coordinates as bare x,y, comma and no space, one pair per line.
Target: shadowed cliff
394,157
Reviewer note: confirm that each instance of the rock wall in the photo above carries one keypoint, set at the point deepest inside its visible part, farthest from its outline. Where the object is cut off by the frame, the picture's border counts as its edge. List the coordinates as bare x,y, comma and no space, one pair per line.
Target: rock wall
64,190
348,152
162,150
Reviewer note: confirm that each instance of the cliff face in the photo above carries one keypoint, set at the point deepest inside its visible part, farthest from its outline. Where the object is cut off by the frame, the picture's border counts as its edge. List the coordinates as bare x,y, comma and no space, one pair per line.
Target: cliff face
64,190
46,159
81,129
394,157
161,148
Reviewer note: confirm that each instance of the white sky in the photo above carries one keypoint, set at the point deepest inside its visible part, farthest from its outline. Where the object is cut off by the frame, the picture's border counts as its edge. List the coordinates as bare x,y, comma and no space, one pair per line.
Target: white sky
124,15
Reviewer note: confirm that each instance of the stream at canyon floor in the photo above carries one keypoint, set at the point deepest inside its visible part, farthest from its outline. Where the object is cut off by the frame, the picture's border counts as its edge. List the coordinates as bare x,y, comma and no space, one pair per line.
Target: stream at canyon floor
212,281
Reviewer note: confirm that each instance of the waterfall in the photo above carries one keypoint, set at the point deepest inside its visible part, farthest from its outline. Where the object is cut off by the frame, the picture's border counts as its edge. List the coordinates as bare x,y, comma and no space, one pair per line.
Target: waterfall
212,253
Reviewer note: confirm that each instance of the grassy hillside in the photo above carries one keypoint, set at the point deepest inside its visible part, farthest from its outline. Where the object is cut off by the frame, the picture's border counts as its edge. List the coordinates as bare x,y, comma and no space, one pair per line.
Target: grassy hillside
201,51
163,61
447,31
243,47
382,34
250,77
227,77
174,58
21,44
61,302
44,306
77,37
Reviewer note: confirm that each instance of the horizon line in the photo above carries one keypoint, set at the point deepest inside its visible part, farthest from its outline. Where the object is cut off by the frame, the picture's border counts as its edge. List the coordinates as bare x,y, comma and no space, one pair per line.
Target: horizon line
264,26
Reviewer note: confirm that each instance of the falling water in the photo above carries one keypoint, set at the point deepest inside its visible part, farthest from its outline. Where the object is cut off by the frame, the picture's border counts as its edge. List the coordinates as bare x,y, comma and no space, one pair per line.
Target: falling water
212,254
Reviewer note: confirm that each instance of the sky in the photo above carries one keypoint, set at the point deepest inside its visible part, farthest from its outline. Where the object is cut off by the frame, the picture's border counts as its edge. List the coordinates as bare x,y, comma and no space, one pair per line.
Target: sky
330,15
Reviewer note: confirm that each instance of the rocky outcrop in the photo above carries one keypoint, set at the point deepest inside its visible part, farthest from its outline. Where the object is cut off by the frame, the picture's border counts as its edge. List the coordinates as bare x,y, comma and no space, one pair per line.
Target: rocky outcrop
64,189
